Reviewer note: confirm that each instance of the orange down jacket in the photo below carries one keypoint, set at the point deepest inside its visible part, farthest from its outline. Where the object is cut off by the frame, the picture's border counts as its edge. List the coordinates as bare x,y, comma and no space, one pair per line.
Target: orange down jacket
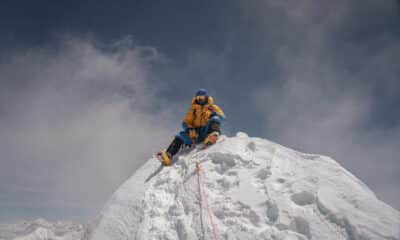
198,115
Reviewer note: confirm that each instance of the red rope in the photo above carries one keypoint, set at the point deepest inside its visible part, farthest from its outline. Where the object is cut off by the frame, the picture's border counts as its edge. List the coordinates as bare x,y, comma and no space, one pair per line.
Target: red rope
203,193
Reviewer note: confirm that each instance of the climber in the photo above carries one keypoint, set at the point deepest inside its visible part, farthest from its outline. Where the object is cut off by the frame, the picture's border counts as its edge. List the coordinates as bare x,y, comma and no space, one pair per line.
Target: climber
201,124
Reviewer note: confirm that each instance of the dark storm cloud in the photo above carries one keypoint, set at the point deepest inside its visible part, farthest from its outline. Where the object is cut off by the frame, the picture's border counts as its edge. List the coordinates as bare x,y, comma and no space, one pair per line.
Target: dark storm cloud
339,68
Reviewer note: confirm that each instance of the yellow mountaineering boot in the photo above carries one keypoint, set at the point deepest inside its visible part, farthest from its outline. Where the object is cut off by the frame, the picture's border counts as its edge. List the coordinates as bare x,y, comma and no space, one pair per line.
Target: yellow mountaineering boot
164,157
211,138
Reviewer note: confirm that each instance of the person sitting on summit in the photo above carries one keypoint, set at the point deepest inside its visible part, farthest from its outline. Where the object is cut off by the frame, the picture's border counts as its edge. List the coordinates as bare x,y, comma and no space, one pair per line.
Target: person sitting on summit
201,124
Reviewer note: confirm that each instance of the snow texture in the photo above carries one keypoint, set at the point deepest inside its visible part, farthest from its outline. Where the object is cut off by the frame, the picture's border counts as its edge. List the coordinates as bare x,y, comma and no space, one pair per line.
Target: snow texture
256,189
41,229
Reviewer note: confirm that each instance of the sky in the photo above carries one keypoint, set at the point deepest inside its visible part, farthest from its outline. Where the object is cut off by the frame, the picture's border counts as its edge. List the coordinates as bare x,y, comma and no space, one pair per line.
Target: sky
91,89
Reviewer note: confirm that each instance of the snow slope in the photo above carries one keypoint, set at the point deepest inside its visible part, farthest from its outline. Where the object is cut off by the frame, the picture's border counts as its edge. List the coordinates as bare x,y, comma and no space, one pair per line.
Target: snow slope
41,229
256,189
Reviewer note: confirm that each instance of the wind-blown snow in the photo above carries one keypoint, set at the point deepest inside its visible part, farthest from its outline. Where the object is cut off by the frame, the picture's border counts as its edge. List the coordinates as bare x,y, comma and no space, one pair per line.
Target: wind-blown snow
256,189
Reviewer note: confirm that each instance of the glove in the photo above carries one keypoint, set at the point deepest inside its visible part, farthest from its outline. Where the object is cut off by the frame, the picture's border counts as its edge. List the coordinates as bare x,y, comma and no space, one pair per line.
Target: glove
193,134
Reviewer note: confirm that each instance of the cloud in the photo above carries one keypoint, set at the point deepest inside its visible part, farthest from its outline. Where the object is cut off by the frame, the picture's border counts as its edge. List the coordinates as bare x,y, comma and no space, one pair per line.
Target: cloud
76,119
78,116
334,80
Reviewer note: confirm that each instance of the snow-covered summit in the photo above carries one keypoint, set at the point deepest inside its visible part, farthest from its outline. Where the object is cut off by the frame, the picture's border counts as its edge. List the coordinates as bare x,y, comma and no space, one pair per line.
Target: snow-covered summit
255,189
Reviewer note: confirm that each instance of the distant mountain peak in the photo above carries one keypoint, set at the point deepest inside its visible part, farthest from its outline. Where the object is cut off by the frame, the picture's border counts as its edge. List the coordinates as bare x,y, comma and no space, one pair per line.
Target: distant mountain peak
41,229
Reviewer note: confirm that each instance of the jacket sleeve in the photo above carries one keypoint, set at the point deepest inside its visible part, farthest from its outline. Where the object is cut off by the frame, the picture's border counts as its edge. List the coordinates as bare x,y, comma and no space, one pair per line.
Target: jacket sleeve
218,111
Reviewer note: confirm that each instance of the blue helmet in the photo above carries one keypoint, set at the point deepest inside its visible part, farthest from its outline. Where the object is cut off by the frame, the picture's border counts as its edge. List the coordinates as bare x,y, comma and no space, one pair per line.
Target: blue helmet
202,92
